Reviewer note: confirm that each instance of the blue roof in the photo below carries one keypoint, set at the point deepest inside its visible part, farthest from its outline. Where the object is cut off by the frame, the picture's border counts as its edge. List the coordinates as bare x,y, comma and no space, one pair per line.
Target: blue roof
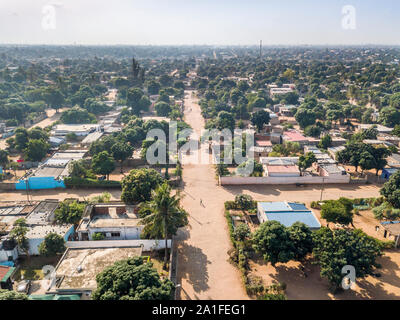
290,217
289,213
282,206
391,170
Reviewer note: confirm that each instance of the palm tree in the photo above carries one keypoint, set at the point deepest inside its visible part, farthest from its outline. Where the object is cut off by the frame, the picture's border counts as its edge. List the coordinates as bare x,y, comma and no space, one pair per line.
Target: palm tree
165,216
18,234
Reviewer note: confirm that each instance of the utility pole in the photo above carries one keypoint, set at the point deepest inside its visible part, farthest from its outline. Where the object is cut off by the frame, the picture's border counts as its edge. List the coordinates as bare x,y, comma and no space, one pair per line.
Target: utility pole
322,189
260,49
27,189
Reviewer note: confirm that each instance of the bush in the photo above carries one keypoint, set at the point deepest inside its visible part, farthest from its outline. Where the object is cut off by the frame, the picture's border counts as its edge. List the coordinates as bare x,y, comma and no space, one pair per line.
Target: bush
74,182
386,212
98,236
273,296
315,205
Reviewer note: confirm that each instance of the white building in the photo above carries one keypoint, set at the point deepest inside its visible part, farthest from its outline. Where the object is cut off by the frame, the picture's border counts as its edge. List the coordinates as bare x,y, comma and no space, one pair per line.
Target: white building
113,221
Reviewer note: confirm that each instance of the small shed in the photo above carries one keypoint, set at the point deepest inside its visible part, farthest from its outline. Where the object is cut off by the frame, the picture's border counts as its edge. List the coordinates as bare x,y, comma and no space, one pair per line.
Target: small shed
388,172
390,230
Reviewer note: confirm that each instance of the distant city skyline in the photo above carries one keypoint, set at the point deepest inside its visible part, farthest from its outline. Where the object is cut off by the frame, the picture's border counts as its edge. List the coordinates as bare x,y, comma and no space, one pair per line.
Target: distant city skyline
200,22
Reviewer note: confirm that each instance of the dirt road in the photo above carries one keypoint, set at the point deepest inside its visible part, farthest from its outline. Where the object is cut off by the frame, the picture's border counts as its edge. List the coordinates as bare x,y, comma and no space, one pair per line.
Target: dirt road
203,270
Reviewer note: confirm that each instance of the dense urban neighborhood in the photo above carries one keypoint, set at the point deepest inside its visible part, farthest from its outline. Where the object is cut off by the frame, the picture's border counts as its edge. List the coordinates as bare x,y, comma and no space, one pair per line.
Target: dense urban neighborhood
199,172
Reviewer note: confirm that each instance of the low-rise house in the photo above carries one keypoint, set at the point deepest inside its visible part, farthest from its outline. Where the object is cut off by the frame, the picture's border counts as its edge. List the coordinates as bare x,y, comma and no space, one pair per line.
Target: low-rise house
287,213
388,172
114,221
329,170
334,150
287,110
394,160
77,269
36,235
78,129
376,143
91,137
390,230
8,250
6,274
51,173
294,136
381,129
282,171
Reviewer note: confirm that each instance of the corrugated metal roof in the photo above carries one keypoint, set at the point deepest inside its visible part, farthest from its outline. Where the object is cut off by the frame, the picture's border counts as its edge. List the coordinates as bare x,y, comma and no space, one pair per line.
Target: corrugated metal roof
289,213
290,217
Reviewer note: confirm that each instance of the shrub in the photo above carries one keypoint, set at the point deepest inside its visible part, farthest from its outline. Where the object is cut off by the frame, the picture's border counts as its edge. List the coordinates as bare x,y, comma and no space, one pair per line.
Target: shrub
98,236
272,296
75,182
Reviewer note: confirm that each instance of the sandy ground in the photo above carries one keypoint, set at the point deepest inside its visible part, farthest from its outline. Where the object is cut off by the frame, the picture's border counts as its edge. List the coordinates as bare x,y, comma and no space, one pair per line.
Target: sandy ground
203,268
313,287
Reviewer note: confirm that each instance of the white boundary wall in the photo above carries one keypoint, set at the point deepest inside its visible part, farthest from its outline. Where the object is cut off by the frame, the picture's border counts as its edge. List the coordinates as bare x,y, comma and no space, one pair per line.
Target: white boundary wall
237,180
148,245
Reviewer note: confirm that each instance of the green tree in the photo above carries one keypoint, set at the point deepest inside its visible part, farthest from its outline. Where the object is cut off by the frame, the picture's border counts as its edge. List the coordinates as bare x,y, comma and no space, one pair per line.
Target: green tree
103,163
306,161
166,216
273,241
36,150
138,185
77,115
12,295
52,245
260,118
302,240
325,142
3,158
69,212
244,201
98,236
18,234
162,108
391,190
334,249
242,232
305,117
338,211
225,120
121,151
54,98
132,279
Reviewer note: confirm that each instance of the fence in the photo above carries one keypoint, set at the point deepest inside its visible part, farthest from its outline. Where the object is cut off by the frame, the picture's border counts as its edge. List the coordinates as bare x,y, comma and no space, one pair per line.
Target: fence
237,180
148,245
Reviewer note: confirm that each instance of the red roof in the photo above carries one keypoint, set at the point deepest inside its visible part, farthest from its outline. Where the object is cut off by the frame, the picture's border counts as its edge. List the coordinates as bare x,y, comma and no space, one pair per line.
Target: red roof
4,271
294,136
263,143
282,169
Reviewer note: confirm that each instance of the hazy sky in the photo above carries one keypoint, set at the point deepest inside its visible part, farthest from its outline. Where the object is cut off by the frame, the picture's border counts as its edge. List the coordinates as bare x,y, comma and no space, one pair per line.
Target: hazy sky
197,22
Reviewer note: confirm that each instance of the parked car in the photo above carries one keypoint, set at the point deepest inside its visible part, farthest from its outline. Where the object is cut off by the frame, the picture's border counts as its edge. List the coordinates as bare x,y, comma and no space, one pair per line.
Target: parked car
24,286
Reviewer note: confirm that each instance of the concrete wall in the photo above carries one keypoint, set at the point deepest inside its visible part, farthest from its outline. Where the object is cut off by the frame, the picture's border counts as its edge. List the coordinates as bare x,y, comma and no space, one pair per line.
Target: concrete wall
237,180
5,254
147,244
126,233
7,186
40,183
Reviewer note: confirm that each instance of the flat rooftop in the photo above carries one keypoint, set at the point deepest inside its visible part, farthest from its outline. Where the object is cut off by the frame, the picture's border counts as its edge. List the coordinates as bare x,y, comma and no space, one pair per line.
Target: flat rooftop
79,267
39,232
42,213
